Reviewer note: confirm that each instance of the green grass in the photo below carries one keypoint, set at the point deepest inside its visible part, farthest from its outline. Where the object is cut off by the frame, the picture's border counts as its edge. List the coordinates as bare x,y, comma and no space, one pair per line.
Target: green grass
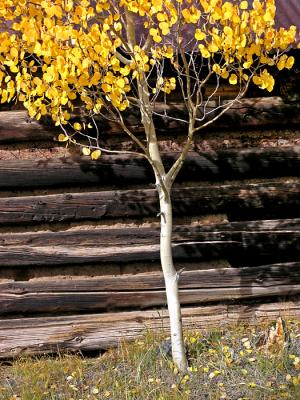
229,364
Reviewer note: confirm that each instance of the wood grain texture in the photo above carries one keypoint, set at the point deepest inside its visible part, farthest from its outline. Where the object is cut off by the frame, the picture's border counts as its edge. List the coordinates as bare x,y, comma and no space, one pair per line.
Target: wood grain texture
241,200
240,243
246,277
147,290
258,112
127,170
15,126
100,331
93,236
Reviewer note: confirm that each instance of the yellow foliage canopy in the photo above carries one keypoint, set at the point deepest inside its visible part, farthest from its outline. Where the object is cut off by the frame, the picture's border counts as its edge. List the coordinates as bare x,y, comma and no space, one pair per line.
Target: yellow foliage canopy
64,50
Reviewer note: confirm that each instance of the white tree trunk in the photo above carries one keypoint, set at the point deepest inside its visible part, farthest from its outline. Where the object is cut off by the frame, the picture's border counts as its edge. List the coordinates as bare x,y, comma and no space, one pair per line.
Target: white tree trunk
171,282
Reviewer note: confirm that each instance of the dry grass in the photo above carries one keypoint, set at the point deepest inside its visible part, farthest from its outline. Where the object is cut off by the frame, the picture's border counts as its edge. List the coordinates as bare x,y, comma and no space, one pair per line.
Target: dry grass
230,364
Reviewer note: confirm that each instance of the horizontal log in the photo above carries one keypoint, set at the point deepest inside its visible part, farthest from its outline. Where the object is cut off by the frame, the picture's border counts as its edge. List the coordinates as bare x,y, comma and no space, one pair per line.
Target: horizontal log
17,126
101,331
239,201
261,276
136,235
240,243
126,169
147,290
89,301
259,112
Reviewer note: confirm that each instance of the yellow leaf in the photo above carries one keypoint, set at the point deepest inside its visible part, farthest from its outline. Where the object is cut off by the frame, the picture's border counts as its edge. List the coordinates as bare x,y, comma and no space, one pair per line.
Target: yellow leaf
157,39
63,138
244,5
216,68
95,154
22,97
224,74
106,88
233,79
85,63
289,62
281,64
64,100
14,52
161,17
77,126
268,17
256,80
14,69
4,96
247,64
204,52
212,47
86,151
72,95
96,77
243,41
120,82
83,80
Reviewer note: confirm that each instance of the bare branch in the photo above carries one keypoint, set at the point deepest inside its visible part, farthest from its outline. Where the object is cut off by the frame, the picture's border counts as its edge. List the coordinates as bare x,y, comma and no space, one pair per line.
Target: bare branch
130,134
97,147
227,106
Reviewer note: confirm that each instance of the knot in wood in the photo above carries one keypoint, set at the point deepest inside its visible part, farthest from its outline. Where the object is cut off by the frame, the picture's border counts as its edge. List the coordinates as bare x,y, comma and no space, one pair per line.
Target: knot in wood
78,339
259,279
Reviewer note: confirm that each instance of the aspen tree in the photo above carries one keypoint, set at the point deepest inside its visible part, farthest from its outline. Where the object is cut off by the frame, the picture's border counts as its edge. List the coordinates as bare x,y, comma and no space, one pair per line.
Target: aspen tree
110,55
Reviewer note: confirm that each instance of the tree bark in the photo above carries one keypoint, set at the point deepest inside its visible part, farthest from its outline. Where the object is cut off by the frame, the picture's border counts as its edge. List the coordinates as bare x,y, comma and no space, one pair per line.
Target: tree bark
171,281
163,189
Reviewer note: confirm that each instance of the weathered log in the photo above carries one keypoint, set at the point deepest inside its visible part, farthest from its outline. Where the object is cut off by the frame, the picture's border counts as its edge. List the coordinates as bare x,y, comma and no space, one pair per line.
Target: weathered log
16,126
241,200
127,169
261,276
56,303
268,111
101,331
244,278
147,290
241,243
74,170
136,235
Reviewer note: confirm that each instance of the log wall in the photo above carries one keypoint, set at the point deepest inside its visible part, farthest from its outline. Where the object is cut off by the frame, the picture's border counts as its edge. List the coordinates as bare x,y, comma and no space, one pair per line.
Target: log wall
79,240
